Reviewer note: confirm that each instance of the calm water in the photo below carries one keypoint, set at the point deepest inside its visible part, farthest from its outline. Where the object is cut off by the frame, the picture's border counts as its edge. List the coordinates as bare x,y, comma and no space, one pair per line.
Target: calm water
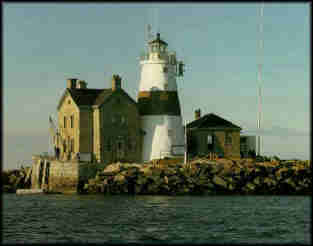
156,219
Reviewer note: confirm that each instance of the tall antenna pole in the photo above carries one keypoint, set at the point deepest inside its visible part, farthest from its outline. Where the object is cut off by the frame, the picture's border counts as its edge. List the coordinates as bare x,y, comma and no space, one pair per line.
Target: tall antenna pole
260,74
185,154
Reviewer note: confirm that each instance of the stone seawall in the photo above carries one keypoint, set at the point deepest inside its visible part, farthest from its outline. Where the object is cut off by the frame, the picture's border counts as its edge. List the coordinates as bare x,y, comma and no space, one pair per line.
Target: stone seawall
202,176
53,175
59,176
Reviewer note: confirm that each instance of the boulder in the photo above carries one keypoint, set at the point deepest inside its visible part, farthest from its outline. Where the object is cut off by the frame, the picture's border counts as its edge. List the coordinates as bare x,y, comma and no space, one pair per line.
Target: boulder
250,186
166,179
92,181
146,170
290,182
119,178
219,181
216,168
152,188
169,171
173,180
231,187
8,189
257,180
141,180
112,169
138,189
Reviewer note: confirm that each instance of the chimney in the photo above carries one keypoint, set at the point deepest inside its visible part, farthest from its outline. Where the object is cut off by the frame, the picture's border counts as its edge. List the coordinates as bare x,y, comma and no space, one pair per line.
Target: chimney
81,84
71,83
116,82
198,114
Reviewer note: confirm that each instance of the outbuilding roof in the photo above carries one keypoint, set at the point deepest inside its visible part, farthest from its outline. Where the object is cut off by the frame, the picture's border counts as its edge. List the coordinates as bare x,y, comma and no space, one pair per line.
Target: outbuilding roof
212,121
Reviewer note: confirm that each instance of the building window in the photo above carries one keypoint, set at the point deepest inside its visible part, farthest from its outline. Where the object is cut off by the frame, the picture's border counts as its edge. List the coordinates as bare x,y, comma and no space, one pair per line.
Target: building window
69,101
129,144
108,144
228,139
64,122
165,69
210,139
119,145
134,145
170,132
69,144
123,119
64,146
72,145
210,142
72,121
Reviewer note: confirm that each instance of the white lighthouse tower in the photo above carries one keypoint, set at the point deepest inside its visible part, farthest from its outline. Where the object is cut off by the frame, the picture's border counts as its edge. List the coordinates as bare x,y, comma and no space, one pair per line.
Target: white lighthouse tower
158,102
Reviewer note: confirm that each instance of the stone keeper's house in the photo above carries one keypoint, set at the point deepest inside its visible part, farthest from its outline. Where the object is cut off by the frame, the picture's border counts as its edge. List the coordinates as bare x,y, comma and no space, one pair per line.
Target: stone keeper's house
102,125
211,133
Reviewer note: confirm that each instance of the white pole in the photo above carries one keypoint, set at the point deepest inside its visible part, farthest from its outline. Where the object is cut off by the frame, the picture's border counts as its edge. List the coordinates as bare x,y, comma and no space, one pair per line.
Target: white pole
260,75
185,159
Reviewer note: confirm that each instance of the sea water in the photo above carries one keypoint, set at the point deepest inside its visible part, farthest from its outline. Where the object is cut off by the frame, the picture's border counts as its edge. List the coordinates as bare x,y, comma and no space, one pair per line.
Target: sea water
156,219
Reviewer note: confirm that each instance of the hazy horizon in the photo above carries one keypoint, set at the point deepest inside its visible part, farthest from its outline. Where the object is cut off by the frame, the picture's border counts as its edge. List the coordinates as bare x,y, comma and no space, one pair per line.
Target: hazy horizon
46,43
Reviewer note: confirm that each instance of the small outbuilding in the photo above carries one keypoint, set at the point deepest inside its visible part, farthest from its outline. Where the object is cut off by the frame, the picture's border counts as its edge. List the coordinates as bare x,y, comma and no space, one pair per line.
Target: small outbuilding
213,134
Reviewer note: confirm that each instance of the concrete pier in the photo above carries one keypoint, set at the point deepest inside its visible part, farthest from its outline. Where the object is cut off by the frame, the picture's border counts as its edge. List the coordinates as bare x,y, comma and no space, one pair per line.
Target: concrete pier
29,191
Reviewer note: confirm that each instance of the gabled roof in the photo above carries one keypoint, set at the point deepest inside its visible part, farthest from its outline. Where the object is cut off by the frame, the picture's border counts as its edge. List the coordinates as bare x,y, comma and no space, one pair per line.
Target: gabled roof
212,121
127,96
89,97
92,97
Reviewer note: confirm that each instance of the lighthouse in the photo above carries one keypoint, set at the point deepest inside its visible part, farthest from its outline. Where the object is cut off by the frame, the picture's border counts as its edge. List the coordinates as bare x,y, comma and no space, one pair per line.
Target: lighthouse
158,101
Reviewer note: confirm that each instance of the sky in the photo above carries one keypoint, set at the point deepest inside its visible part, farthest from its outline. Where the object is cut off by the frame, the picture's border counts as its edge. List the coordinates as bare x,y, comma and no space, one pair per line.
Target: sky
46,43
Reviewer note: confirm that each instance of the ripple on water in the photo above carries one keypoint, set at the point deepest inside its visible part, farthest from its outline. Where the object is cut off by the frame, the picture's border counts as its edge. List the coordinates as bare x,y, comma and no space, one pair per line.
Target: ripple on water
155,219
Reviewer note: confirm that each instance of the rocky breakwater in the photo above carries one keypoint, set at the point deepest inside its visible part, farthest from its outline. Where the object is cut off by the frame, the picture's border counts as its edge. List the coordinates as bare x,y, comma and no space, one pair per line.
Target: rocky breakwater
16,179
204,176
